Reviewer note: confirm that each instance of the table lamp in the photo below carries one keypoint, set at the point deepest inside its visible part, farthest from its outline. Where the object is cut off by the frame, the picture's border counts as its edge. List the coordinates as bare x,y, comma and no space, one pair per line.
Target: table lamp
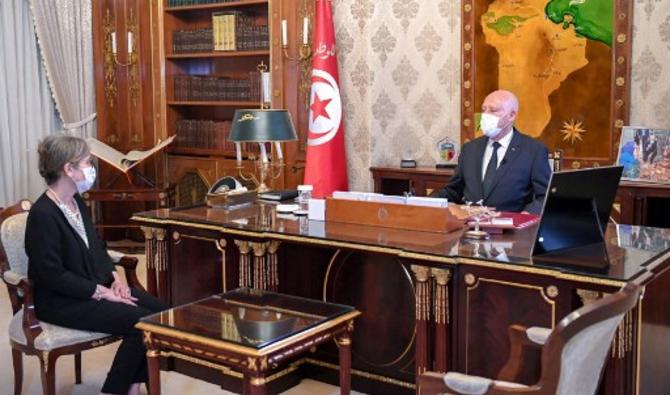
262,126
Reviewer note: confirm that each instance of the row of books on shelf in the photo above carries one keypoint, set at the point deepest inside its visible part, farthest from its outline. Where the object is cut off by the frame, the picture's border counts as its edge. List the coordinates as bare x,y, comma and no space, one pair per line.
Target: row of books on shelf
182,3
238,31
208,134
215,88
198,40
231,37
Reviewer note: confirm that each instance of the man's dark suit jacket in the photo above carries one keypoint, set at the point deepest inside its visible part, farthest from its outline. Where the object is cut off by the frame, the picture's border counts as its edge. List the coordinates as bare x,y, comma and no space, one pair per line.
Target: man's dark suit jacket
520,182
60,265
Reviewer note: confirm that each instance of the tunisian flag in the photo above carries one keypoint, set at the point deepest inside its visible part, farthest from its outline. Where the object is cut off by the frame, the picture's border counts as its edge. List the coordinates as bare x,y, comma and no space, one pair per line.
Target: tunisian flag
326,167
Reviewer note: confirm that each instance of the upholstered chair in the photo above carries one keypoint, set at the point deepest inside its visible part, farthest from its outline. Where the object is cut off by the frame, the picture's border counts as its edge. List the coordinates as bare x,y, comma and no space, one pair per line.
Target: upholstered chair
27,335
573,354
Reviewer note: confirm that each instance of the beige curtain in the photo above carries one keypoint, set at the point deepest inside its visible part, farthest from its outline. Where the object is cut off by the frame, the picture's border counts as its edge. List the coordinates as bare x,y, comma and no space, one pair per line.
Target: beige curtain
27,113
64,31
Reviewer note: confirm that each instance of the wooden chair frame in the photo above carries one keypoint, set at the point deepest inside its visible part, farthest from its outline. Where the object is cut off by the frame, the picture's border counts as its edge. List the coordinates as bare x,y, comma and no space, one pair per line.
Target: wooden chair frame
610,306
21,296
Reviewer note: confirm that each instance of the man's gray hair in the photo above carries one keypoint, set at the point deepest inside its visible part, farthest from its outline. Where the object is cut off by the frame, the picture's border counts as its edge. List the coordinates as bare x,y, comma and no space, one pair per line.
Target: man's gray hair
55,151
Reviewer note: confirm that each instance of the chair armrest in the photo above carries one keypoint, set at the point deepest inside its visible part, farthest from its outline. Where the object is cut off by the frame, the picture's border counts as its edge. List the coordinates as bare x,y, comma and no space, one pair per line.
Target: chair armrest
31,325
525,353
432,383
129,265
116,256
538,335
14,289
13,278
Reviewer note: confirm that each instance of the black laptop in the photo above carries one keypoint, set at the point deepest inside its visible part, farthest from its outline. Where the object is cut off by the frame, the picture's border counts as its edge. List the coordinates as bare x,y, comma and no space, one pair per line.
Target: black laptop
574,218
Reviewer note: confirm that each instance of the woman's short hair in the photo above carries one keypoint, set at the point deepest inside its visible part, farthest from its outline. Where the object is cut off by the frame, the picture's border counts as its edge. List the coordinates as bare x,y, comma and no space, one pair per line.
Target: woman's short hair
55,151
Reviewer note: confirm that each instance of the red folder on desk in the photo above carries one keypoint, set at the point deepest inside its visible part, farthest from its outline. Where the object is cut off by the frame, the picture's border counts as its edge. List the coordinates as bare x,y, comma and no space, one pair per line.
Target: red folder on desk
507,220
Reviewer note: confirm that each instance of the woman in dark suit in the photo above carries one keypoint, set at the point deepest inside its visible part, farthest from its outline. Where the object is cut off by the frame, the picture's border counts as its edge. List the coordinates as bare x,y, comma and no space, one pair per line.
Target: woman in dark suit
75,283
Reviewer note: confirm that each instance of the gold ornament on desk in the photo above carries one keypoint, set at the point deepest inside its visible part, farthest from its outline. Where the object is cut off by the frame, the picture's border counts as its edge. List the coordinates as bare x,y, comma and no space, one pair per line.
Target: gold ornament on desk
478,213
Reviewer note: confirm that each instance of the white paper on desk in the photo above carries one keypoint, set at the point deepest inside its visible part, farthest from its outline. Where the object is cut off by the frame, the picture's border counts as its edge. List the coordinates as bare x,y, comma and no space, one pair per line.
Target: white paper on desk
317,210
352,195
388,199
427,201
502,221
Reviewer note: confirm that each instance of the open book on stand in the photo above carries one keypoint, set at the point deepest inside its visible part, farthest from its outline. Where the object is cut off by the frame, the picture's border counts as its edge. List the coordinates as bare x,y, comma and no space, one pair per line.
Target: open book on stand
117,159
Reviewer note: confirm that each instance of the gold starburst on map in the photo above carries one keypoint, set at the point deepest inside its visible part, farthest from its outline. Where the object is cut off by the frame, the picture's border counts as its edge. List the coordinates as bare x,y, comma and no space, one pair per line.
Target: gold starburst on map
572,131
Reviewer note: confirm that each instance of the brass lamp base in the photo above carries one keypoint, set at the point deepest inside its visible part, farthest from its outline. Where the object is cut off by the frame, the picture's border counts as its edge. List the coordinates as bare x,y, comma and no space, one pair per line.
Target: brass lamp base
262,188
265,171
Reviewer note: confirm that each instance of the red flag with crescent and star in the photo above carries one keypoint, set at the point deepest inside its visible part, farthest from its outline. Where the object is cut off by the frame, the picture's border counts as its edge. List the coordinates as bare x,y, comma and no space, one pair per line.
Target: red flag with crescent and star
326,167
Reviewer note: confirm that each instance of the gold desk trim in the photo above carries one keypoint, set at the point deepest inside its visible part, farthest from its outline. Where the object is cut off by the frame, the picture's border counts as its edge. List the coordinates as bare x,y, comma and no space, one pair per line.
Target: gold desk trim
203,362
363,374
450,260
247,351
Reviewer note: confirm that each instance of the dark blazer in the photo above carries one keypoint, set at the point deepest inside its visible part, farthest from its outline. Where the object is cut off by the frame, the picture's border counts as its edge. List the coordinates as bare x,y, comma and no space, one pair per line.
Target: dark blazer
60,265
521,179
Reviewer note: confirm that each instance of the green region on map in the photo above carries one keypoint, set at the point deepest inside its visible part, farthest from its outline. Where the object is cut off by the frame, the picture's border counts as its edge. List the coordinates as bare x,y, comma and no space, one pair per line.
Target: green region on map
505,25
591,18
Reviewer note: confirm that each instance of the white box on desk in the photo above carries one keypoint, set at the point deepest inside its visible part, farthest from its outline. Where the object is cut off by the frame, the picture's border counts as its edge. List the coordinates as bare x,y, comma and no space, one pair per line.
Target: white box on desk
317,210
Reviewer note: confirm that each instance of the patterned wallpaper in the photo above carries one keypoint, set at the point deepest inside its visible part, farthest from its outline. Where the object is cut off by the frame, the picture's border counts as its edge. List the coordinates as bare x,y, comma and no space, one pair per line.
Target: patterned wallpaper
400,77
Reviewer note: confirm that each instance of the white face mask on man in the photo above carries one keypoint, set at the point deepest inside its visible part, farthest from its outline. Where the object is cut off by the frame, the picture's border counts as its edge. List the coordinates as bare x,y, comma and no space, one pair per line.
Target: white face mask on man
89,179
489,125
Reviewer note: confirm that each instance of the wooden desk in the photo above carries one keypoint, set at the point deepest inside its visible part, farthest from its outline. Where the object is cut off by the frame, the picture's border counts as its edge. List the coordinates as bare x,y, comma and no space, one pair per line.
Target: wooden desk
249,331
111,209
644,204
429,301
641,203
421,181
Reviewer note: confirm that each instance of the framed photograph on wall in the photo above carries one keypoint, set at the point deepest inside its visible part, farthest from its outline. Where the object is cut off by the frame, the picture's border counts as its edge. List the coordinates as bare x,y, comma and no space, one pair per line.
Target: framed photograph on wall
567,61
644,154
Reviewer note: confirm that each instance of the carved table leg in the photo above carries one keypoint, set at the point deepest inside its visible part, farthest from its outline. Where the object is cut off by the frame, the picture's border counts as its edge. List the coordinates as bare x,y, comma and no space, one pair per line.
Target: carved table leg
422,298
162,264
150,251
344,344
254,385
154,370
441,316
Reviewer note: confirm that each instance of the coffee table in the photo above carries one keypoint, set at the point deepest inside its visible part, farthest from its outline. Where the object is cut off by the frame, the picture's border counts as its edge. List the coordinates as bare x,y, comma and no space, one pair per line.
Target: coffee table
249,333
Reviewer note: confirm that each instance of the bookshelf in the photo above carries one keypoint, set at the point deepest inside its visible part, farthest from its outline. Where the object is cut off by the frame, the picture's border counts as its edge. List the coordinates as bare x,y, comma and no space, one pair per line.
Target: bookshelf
222,54
203,87
205,103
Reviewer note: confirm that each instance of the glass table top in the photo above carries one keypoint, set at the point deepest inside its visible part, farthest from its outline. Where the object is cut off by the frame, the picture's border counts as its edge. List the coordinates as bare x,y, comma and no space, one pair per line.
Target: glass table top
629,249
249,317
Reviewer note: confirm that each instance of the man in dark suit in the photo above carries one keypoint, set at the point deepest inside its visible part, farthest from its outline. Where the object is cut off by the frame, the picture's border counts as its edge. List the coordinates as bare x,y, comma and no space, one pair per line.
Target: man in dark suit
504,168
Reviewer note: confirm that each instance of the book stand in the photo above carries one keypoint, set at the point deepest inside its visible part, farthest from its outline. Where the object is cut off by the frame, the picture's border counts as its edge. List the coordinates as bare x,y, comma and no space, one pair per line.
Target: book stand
135,178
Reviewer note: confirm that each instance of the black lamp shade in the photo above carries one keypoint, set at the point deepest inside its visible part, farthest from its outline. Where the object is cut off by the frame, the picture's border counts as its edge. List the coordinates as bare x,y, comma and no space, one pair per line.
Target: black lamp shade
262,126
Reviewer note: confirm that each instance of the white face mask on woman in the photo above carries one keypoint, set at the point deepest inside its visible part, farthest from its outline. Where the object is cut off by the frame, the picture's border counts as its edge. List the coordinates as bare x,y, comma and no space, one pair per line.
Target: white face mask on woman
89,179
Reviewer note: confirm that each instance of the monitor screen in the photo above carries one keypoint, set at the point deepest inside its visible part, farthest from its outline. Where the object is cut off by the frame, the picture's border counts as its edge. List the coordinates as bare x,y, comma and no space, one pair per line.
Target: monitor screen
576,209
